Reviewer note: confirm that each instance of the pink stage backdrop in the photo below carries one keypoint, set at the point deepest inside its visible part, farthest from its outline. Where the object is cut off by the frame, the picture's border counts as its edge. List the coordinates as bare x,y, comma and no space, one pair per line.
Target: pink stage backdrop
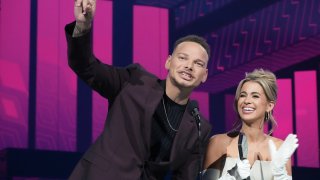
56,83
150,38
305,85
283,109
14,72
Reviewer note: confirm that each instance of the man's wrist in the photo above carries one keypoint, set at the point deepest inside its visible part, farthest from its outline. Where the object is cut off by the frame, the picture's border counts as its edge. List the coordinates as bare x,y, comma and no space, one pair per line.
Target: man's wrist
81,29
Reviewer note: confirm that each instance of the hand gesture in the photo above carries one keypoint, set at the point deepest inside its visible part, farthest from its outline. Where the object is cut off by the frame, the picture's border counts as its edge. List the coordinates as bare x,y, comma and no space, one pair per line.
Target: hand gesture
84,11
281,156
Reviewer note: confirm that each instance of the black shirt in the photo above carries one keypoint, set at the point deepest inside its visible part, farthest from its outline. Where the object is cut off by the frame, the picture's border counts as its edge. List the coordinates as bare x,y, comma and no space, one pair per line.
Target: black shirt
162,135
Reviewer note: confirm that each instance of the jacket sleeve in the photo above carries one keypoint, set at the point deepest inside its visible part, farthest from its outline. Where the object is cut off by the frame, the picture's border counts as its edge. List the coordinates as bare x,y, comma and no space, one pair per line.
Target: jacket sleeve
103,78
190,169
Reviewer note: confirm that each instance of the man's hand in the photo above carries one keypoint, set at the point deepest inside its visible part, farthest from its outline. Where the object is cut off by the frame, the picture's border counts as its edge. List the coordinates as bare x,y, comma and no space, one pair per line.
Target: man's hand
84,11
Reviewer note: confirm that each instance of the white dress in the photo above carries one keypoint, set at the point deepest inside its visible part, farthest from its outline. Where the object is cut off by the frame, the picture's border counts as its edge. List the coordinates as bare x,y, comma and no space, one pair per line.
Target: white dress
260,170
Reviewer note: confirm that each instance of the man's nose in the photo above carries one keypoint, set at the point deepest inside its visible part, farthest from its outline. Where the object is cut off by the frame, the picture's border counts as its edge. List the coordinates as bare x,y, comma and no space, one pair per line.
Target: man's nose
189,65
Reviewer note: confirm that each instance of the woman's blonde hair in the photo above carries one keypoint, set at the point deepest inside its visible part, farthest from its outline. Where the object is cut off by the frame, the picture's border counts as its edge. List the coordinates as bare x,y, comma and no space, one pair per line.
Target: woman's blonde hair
268,82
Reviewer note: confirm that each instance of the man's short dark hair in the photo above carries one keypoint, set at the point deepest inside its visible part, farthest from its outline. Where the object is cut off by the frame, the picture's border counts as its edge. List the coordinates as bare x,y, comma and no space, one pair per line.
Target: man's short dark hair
196,39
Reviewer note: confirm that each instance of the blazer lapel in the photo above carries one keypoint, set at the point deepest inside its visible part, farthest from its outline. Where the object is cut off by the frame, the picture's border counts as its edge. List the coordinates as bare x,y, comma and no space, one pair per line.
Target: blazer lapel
153,99
186,135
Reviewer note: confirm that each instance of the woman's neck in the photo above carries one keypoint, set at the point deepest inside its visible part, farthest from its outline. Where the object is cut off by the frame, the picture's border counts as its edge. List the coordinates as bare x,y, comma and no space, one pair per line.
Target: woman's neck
253,134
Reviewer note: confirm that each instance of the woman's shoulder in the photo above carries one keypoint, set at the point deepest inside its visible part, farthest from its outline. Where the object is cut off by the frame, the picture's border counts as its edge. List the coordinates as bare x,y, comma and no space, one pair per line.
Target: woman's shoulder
224,139
217,149
220,138
277,141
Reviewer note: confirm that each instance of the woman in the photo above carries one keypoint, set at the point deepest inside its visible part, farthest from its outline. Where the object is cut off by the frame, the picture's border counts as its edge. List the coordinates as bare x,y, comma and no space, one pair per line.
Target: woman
247,152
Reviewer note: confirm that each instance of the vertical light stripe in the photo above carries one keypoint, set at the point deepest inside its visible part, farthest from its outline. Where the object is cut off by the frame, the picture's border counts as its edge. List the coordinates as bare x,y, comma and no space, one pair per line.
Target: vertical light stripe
150,38
283,109
47,76
14,73
305,85
56,83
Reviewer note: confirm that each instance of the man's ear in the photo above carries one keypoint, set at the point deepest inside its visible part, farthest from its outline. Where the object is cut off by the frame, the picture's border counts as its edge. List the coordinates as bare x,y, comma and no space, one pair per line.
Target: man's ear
205,76
168,62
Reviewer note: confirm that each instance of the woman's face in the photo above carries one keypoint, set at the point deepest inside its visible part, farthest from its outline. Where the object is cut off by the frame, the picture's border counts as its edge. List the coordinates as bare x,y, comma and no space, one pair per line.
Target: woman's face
253,103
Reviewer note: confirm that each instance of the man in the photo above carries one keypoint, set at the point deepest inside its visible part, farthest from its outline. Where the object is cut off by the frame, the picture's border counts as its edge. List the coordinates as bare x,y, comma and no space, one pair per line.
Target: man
149,130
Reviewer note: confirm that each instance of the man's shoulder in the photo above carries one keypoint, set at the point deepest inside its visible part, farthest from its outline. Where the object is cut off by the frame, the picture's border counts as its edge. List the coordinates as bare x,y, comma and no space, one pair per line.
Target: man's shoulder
138,68
206,123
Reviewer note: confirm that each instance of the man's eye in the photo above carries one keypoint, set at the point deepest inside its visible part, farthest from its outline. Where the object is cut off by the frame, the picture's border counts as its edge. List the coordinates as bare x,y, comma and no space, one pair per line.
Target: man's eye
200,64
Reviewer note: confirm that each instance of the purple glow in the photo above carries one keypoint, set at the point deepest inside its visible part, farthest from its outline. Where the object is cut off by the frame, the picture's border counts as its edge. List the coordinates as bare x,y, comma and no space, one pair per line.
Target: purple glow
11,76
14,73
56,83
9,108
305,85
150,41
230,114
203,100
102,47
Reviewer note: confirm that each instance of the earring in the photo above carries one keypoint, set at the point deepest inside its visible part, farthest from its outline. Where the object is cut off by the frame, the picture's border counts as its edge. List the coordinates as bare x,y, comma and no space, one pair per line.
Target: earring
270,114
267,116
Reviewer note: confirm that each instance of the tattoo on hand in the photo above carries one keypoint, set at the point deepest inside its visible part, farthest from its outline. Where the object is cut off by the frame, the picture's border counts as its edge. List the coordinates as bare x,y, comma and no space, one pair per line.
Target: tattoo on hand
79,31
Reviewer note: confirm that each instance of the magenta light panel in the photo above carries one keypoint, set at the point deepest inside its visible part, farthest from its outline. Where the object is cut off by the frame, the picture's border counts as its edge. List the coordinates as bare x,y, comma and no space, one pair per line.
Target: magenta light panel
306,112
56,83
150,38
14,73
283,109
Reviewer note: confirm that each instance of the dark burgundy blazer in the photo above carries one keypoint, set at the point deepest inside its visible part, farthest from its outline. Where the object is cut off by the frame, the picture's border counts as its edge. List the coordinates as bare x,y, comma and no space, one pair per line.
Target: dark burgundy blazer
122,150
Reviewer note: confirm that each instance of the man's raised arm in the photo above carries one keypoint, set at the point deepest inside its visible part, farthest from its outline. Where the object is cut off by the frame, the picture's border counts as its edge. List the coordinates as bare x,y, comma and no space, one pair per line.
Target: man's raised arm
84,11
